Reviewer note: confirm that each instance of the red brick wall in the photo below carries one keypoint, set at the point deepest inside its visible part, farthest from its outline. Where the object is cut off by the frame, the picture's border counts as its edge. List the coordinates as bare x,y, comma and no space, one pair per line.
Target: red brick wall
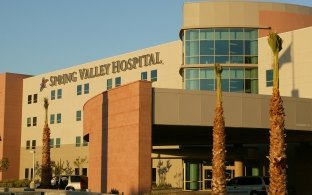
11,97
124,127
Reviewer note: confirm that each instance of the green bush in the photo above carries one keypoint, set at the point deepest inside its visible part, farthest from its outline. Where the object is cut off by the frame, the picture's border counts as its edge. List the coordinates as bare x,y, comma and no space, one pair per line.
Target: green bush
15,183
114,191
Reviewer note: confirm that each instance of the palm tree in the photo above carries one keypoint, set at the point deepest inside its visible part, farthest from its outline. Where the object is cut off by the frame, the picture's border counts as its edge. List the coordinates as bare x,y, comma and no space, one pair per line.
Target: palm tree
46,174
277,153
218,184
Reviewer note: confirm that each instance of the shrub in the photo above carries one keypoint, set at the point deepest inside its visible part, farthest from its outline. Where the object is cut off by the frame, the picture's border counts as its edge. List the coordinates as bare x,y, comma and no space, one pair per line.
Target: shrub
15,183
114,191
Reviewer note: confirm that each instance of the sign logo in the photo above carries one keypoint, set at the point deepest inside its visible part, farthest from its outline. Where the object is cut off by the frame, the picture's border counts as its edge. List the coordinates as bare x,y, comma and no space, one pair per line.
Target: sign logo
43,83
103,69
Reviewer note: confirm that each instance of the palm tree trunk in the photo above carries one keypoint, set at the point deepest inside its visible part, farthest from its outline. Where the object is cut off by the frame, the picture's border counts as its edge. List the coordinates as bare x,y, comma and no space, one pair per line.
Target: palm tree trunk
277,168
218,184
46,174
277,153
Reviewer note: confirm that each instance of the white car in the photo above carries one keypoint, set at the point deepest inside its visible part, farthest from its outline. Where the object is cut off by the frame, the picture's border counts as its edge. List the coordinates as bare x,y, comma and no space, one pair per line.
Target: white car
70,182
248,185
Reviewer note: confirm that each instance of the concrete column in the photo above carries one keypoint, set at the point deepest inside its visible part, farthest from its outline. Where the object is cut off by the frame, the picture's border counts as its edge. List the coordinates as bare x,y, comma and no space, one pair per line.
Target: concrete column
238,168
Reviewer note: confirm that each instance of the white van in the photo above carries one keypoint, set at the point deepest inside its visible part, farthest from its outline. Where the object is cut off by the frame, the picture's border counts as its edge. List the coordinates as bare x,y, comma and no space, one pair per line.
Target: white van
248,185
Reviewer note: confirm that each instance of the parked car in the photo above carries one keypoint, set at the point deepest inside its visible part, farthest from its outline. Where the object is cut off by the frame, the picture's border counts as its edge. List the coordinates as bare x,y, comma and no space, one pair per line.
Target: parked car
248,185
70,182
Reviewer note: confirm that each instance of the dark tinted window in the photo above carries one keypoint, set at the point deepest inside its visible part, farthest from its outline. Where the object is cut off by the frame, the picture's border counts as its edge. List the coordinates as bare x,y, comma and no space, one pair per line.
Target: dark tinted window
75,178
249,181
232,182
266,180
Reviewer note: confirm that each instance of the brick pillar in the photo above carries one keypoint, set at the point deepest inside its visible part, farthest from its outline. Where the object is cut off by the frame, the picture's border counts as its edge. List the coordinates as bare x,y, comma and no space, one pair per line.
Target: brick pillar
125,133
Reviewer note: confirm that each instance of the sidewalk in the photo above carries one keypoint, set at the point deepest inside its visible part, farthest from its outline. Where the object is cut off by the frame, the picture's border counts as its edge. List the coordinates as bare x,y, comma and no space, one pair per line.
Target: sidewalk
178,192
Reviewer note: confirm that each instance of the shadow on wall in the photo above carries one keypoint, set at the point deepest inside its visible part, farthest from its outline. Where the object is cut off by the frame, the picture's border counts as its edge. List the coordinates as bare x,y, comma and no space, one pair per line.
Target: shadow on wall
288,57
104,142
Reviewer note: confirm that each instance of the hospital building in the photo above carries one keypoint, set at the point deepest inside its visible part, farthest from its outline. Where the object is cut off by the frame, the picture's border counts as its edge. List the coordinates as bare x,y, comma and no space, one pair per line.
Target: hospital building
144,119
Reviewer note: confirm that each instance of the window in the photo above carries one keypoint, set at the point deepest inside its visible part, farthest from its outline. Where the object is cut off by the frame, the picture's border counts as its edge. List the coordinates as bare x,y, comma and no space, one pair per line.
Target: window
78,141
144,76
154,175
85,143
27,144
59,93
78,115
34,121
86,88
28,121
58,118
84,171
51,143
109,84
79,89
77,171
52,119
33,145
117,81
221,45
26,173
234,79
57,142
53,95
154,75
31,173
269,78
29,99
35,98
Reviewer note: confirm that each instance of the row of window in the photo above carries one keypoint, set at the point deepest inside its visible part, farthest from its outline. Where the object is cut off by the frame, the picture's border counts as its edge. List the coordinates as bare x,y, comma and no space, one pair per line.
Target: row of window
85,88
54,118
29,172
221,45
56,143
234,79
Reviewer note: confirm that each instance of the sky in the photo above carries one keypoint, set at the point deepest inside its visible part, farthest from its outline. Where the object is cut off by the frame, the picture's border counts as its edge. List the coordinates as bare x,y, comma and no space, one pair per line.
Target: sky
40,36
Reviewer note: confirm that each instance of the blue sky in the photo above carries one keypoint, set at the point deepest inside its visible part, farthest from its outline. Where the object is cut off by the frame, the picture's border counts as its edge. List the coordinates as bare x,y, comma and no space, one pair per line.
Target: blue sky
39,36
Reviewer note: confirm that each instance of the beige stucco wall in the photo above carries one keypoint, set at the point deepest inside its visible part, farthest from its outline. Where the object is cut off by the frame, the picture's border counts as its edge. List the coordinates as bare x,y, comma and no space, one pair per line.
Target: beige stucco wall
174,176
167,72
295,64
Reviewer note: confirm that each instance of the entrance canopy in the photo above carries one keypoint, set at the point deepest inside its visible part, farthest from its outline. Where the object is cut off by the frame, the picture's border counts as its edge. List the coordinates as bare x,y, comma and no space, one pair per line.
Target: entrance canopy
182,117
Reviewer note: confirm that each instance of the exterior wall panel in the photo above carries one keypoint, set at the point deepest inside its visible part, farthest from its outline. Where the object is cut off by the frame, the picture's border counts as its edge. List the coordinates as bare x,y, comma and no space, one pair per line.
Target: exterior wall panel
295,63
126,144
240,110
11,90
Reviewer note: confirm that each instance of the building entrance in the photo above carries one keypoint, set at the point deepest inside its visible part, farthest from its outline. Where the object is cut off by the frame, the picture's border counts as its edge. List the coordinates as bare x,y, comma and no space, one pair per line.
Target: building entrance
198,175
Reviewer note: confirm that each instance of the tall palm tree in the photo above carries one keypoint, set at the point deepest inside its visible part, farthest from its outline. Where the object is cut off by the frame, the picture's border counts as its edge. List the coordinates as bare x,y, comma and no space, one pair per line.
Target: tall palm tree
46,174
218,184
277,153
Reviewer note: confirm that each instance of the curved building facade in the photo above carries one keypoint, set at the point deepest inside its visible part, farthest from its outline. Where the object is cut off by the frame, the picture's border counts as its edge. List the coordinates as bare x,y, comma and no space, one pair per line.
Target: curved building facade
135,114
227,33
